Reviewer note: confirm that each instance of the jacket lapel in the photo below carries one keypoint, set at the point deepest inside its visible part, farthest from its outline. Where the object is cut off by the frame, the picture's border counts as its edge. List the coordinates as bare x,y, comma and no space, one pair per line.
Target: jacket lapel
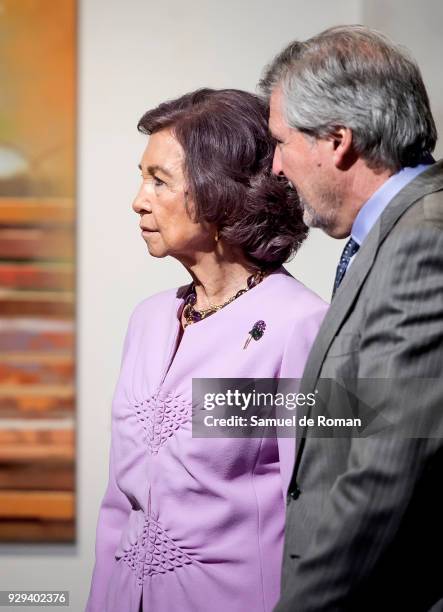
340,307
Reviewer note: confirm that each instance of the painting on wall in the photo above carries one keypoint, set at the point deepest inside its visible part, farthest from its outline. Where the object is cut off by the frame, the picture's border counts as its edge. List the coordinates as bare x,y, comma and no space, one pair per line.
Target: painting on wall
37,270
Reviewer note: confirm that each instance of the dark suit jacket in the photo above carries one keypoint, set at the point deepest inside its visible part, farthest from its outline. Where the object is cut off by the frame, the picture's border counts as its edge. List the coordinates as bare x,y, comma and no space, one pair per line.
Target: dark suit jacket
364,524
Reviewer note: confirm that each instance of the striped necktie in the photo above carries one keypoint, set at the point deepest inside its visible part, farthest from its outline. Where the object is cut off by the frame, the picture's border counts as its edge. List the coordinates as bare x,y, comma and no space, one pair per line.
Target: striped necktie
348,252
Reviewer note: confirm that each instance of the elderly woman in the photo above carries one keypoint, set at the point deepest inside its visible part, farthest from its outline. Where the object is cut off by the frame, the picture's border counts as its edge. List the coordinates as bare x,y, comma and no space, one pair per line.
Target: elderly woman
189,524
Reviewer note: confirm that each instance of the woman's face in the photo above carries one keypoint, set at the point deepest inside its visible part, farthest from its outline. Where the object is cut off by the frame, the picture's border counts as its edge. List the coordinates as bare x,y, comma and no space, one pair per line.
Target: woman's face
166,225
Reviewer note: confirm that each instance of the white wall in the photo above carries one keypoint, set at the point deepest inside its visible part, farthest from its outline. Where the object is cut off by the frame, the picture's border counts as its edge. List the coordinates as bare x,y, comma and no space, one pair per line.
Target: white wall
133,55
417,26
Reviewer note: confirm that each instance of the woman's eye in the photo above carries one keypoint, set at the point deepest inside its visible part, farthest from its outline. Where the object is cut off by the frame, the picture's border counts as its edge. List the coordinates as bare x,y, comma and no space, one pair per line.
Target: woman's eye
154,180
157,182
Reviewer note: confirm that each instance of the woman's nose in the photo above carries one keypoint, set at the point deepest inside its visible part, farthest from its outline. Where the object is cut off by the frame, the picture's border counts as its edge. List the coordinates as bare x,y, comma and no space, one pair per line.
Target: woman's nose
141,202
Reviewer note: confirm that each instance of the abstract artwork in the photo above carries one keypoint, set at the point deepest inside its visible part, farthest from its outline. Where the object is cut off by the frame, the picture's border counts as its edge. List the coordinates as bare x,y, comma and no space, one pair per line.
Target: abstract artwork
37,270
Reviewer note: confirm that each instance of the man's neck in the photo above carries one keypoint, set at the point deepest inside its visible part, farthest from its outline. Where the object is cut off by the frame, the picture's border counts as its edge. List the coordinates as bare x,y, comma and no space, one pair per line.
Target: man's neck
359,186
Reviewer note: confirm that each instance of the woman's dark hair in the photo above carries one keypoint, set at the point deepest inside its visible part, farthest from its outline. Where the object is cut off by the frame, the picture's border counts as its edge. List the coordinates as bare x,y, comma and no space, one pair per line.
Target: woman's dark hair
228,165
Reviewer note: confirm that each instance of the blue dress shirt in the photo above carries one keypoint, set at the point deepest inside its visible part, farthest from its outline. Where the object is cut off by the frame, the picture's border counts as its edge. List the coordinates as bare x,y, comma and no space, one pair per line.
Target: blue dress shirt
373,208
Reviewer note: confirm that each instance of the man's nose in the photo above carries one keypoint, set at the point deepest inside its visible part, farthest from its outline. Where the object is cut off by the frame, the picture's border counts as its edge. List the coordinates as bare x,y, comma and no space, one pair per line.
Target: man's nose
276,162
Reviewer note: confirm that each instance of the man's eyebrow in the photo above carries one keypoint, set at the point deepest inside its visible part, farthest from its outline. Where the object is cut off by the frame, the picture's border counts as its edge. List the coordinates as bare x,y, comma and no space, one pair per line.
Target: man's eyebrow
156,168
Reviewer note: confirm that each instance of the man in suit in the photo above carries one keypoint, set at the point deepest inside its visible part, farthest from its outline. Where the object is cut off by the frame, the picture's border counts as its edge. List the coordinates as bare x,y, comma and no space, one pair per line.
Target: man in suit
354,135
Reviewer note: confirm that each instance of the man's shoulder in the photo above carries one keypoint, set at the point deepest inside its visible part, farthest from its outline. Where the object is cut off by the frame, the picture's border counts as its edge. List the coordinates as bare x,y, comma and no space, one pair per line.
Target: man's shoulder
410,252
426,191
432,205
422,220
426,209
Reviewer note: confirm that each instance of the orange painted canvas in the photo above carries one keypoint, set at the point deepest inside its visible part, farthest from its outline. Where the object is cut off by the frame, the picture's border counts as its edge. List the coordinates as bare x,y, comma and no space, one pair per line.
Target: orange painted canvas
37,270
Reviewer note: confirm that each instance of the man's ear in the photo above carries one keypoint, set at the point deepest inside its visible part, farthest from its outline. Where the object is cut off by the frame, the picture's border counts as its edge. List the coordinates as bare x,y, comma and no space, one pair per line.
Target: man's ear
343,150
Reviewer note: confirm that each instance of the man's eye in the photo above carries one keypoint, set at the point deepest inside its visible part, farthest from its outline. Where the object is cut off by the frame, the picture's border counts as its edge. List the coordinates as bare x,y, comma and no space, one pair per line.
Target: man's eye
157,181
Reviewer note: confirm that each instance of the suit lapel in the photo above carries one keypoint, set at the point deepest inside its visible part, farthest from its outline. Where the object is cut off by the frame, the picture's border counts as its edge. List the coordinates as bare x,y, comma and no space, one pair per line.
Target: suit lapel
340,306
427,182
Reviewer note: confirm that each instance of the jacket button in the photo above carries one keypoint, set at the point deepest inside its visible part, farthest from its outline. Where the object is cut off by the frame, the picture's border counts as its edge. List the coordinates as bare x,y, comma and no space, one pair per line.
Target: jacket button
295,492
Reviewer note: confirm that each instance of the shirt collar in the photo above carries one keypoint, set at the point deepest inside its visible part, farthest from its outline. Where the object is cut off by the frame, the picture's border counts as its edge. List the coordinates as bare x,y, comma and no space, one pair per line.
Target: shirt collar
373,208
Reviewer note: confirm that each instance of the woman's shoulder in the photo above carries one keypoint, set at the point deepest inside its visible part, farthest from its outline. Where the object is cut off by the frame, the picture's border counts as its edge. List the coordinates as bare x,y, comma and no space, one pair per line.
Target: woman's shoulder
161,302
294,300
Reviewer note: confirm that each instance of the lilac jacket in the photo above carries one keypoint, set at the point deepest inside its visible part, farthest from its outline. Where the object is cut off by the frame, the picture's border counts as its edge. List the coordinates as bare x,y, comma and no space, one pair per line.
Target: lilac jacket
189,524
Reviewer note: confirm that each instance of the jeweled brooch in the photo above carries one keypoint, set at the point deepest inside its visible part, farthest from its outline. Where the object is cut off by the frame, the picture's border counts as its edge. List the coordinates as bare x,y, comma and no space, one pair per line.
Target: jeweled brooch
257,331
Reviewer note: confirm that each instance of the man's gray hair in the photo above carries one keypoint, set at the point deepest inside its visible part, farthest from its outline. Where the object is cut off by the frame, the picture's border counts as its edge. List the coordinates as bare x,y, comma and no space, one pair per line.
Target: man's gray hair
355,77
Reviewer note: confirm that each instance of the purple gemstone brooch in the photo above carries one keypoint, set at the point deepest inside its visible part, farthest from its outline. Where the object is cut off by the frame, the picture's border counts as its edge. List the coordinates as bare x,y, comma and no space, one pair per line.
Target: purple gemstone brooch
257,331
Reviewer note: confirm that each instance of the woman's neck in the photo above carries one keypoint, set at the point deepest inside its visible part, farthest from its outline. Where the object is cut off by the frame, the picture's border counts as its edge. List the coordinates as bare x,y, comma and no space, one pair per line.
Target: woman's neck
218,279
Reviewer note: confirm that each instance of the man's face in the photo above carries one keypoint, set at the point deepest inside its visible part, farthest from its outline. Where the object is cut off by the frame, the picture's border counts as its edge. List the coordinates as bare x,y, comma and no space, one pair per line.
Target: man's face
307,163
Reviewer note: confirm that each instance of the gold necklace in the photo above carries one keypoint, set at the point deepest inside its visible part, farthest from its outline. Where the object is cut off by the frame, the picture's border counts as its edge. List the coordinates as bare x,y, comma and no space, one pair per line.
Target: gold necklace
194,315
